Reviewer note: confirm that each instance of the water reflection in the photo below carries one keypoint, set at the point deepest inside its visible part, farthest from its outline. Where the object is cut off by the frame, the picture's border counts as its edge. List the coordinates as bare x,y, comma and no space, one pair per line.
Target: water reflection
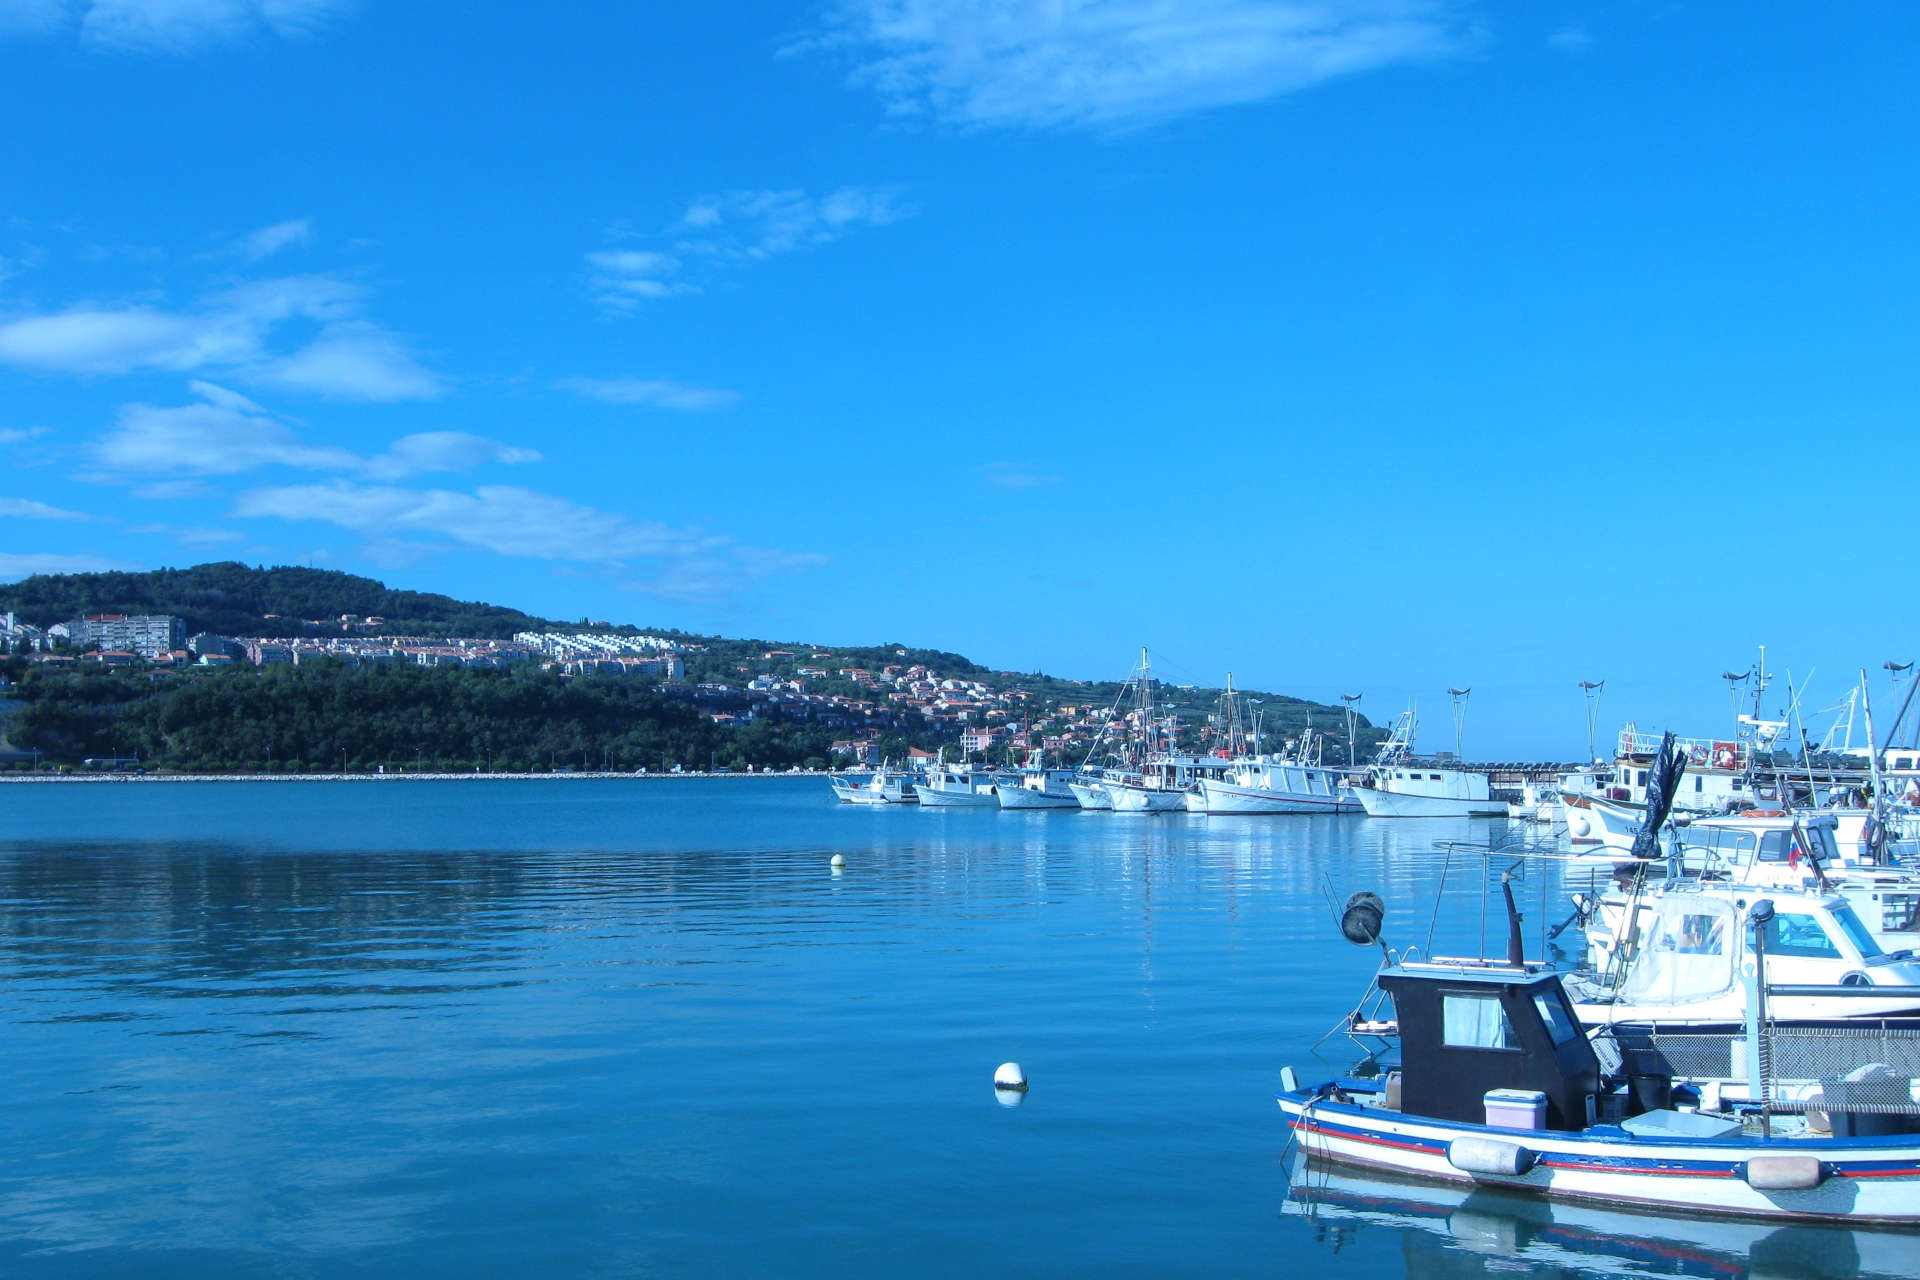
1446,1232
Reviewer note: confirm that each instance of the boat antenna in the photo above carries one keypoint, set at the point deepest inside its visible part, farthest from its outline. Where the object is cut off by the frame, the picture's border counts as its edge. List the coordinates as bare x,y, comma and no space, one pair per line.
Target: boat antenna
1894,671
1352,701
1592,689
1459,717
1877,823
1734,681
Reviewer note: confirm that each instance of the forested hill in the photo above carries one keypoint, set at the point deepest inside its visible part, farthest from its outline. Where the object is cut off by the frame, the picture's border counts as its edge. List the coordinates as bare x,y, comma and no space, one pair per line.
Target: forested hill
230,598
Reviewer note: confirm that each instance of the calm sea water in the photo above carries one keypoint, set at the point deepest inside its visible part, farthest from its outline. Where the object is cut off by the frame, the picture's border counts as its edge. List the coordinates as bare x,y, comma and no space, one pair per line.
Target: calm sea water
627,1028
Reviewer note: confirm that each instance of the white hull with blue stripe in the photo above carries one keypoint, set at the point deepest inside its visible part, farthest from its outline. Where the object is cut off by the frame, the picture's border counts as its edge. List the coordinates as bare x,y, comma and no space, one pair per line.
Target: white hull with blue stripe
1853,1180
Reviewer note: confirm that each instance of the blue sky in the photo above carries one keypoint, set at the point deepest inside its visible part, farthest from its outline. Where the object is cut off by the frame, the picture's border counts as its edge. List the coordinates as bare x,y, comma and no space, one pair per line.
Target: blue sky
1378,346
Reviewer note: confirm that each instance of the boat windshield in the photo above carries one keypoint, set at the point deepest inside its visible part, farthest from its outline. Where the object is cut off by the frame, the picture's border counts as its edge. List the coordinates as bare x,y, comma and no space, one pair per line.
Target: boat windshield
1856,930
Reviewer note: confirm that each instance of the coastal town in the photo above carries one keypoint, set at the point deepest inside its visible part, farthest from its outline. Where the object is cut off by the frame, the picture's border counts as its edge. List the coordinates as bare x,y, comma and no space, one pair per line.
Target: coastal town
863,701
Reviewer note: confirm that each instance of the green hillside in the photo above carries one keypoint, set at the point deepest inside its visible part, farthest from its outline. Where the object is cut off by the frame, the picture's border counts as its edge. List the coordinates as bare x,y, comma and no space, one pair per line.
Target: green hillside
233,599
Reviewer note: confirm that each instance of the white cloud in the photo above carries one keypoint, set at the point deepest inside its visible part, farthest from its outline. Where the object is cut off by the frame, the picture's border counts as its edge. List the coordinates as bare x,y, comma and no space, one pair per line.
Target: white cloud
443,451
498,518
17,565
228,434
657,393
268,241
353,361
20,435
754,225
195,536
28,509
734,228
92,341
349,357
406,524
221,396
1010,475
1571,38
208,440
1110,63
621,278
168,26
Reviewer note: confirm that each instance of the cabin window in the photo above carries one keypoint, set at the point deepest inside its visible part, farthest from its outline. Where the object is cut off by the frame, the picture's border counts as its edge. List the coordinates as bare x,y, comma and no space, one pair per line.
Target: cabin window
1476,1022
1793,934
1554,1012
1856,931
1643,777
1700,935
1696,784
1434,776
1775,847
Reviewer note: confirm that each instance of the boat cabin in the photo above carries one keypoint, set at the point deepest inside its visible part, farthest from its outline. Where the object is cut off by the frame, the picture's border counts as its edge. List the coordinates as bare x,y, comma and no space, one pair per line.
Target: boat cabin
1466,1030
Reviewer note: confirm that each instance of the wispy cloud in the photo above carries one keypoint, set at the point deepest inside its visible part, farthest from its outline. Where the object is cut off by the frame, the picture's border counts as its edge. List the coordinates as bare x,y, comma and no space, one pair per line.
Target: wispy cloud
652,392
17,565
754,225
208,440
1114,63
1571,38
227,434
1012,475
406,524
28,509
268,241
168,26
348,357
193,536
443,451
623,278
716,232
498,518
20,435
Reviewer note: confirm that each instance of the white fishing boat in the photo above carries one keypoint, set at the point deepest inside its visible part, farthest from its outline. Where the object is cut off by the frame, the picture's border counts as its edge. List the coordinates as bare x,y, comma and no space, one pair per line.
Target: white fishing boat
886,786
1398,786
1496,1086
1091,792
1767,849
962,787
1675,954
1038,788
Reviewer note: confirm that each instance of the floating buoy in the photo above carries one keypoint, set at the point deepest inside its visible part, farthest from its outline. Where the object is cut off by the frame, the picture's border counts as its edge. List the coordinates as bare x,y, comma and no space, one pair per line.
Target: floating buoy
837,861
1009,1076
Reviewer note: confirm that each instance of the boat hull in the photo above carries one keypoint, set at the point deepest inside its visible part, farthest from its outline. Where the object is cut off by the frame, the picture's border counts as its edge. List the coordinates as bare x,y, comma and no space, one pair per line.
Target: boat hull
1091,795
932,798
1394,804
1146,800
1227,797
1863,1181
1027,798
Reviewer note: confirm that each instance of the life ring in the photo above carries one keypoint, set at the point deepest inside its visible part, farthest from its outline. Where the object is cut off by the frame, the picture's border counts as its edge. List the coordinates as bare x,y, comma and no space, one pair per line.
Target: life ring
1763,813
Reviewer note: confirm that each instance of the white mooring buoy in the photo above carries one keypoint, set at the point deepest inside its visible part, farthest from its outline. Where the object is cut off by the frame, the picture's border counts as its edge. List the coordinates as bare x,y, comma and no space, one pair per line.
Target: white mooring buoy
837,861
1009,1076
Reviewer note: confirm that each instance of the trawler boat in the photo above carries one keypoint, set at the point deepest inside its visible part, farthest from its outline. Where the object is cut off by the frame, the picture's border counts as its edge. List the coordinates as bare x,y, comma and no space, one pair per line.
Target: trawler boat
884,787
961,788
1039,789
1270,784
1091,791
1396,786
1497,1087
1166,785
1769,849
1674,955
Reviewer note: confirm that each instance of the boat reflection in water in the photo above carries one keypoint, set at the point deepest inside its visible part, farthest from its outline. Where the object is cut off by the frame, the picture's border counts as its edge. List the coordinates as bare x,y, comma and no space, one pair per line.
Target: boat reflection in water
1446,1232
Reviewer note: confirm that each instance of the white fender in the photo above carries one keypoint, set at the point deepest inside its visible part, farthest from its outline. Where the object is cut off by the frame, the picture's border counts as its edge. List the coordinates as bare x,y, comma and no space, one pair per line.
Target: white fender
1785,1173
1489,1155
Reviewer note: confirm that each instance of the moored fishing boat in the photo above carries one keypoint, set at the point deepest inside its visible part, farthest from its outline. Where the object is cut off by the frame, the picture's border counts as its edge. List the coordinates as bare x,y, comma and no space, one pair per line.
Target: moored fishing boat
1038,788
1398,786
957,788
1497,1086
886,786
